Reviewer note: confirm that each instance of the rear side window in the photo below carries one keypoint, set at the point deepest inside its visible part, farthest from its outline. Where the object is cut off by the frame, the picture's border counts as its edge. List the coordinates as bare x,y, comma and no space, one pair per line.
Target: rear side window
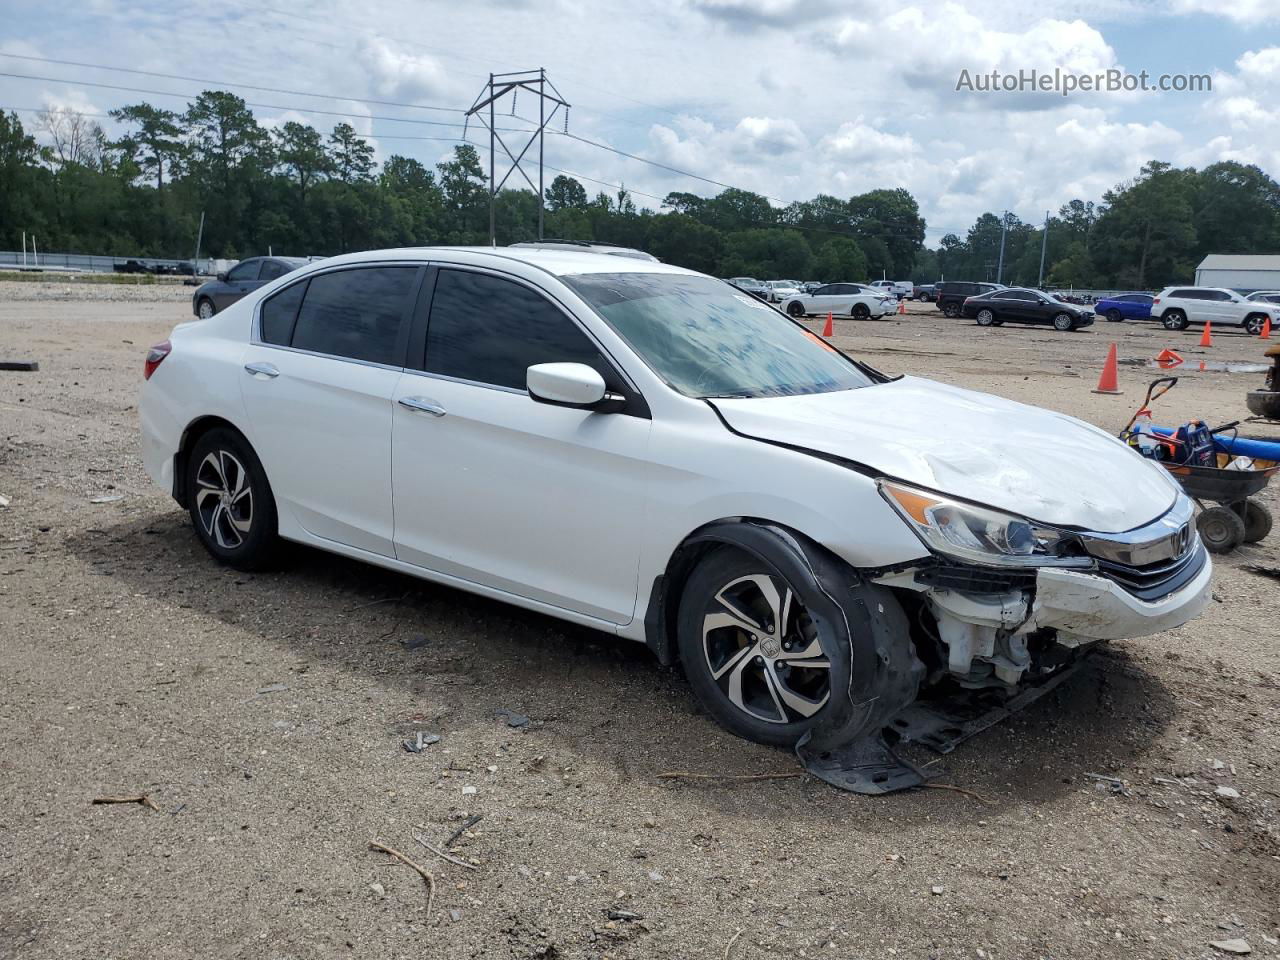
357,313
279,313
1185,294
490,330
272,269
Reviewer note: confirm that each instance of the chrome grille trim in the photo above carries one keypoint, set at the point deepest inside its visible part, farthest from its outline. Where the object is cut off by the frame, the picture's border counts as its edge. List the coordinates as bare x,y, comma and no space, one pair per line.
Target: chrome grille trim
1167,538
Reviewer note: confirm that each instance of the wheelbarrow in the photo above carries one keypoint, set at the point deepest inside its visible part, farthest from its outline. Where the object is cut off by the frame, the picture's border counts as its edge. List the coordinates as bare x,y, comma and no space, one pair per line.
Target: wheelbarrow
1221,471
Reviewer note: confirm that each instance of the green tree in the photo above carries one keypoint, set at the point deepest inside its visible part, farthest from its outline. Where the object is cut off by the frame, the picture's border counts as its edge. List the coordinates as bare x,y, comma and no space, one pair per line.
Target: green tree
769,254
565,193
680,239
350,155
301,153
1146,233
840,261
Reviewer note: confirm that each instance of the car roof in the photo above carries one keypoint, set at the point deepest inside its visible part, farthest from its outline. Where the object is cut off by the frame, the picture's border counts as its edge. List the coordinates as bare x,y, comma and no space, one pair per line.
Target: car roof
560,263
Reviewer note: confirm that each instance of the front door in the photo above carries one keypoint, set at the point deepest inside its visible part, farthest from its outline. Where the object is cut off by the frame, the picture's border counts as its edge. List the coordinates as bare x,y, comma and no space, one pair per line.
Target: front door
539,501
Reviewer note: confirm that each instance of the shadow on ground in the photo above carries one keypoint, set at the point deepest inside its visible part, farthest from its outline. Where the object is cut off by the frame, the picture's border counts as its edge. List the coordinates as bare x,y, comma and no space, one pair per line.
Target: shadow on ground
601,697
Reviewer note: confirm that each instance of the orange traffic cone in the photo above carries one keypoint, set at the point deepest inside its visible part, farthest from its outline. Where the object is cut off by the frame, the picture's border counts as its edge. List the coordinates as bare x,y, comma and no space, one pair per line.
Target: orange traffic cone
902,306
1109,381
829,329
1266,329
1206,338
1168,358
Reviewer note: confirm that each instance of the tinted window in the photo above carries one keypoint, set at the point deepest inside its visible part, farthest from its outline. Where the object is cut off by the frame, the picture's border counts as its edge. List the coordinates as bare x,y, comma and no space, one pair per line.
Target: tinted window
279,312
1017,295
245,270
356,313
825,291
1186,294
706,341
272,269
1220,295
490,330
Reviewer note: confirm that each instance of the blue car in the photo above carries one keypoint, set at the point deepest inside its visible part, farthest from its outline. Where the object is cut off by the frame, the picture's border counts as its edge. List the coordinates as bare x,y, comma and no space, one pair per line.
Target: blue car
1126,306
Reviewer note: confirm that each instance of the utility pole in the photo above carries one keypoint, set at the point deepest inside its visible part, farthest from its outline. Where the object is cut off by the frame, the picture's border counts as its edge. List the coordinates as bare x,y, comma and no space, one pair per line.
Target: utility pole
195,264
24,248
1044,245
1004,227
499,86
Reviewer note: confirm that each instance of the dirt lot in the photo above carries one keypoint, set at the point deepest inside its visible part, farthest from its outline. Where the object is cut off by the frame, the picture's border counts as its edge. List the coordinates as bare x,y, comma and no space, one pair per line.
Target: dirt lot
264,715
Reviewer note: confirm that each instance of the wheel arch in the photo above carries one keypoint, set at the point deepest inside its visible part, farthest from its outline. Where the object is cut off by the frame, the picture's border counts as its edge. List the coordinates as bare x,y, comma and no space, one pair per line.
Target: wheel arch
754,535
190,437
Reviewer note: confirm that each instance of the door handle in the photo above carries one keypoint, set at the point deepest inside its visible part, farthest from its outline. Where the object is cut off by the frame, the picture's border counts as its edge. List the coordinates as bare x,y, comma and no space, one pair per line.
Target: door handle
422,405
267,370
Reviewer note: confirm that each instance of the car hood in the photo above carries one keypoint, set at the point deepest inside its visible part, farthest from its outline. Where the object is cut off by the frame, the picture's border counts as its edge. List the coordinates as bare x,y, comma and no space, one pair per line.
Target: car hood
1042,465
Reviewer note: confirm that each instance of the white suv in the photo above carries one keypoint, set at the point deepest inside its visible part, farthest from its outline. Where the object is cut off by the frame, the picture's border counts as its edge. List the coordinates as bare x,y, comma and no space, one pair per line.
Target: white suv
1179,307
649,452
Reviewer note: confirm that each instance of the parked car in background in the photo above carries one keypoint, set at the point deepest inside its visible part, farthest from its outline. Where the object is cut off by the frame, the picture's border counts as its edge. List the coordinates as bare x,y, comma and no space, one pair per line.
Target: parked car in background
846,299
1179,307
131,266
897,288
780,290
1270,296
242,279
1125,306
925,292
810,285
751,285
641,450
1024,305
950,295
593,246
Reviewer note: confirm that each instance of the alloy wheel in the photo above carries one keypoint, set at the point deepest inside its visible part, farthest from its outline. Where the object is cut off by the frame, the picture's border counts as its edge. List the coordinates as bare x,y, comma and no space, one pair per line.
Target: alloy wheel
224,499
763,652
986,317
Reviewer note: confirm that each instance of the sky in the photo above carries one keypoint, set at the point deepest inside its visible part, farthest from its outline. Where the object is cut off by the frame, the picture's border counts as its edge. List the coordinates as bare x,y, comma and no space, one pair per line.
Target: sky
788,98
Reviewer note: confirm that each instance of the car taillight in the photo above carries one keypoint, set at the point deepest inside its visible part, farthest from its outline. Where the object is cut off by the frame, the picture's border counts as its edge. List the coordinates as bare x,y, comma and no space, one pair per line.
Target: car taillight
154,357
1155,301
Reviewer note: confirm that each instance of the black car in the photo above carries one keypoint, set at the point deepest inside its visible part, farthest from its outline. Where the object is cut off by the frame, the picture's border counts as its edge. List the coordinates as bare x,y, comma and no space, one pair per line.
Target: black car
241,280
1021,305
950,295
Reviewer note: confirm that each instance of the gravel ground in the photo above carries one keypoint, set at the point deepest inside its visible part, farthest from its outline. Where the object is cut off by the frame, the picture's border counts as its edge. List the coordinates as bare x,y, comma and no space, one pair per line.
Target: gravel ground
264,715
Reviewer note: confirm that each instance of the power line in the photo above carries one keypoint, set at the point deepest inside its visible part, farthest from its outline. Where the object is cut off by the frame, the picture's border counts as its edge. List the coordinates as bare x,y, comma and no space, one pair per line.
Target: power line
224,83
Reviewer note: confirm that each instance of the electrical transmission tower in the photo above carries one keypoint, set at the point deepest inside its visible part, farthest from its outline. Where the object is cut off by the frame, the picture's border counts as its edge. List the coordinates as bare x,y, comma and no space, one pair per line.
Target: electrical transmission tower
501,85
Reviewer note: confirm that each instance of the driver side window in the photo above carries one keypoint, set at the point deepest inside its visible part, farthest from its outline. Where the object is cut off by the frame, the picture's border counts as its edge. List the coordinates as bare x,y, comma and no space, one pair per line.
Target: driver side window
245,270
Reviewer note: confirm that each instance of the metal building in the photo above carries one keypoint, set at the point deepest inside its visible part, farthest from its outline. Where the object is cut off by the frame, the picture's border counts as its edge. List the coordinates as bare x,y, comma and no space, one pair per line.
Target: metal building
1242,272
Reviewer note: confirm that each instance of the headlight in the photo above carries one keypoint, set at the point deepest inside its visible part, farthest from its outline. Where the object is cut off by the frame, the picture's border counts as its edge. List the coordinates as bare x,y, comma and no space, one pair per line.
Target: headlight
980,534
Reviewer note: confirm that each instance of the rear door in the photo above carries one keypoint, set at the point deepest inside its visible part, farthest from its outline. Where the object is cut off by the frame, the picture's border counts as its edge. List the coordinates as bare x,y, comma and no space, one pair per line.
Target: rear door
241,280
539,501
318,384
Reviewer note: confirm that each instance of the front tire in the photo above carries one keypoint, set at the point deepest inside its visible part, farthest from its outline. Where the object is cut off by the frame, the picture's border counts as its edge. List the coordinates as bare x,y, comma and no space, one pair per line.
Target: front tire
205,308
1064,322
1221,529
230,501
751,652
1174,320
1253,324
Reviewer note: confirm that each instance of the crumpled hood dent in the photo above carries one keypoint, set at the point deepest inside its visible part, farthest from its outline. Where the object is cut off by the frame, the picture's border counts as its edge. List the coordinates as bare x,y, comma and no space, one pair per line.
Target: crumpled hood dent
1023,459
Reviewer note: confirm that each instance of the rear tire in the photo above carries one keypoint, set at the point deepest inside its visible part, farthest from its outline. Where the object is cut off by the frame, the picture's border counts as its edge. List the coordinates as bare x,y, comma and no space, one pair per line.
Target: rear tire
986,317
795,310
205,308
860,311
230,501
1113,316
1221,529
1174,320
951,310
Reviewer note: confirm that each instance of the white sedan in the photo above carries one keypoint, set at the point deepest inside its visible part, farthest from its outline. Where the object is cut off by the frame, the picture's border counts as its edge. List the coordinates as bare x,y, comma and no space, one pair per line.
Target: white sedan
844,299
647,451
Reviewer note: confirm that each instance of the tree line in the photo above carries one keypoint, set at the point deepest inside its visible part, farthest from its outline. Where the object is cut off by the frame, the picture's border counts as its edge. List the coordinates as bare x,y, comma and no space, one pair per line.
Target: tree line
295,190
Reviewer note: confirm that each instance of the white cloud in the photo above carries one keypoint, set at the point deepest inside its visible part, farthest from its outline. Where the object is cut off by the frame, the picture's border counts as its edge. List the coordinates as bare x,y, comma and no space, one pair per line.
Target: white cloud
1244,11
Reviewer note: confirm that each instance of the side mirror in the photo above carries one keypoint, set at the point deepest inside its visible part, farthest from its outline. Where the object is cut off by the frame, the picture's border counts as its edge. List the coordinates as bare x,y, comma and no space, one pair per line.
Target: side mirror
222,275
567,385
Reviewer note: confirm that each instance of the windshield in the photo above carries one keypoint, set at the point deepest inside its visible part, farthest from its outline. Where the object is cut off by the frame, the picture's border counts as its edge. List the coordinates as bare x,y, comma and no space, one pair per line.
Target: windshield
706,339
